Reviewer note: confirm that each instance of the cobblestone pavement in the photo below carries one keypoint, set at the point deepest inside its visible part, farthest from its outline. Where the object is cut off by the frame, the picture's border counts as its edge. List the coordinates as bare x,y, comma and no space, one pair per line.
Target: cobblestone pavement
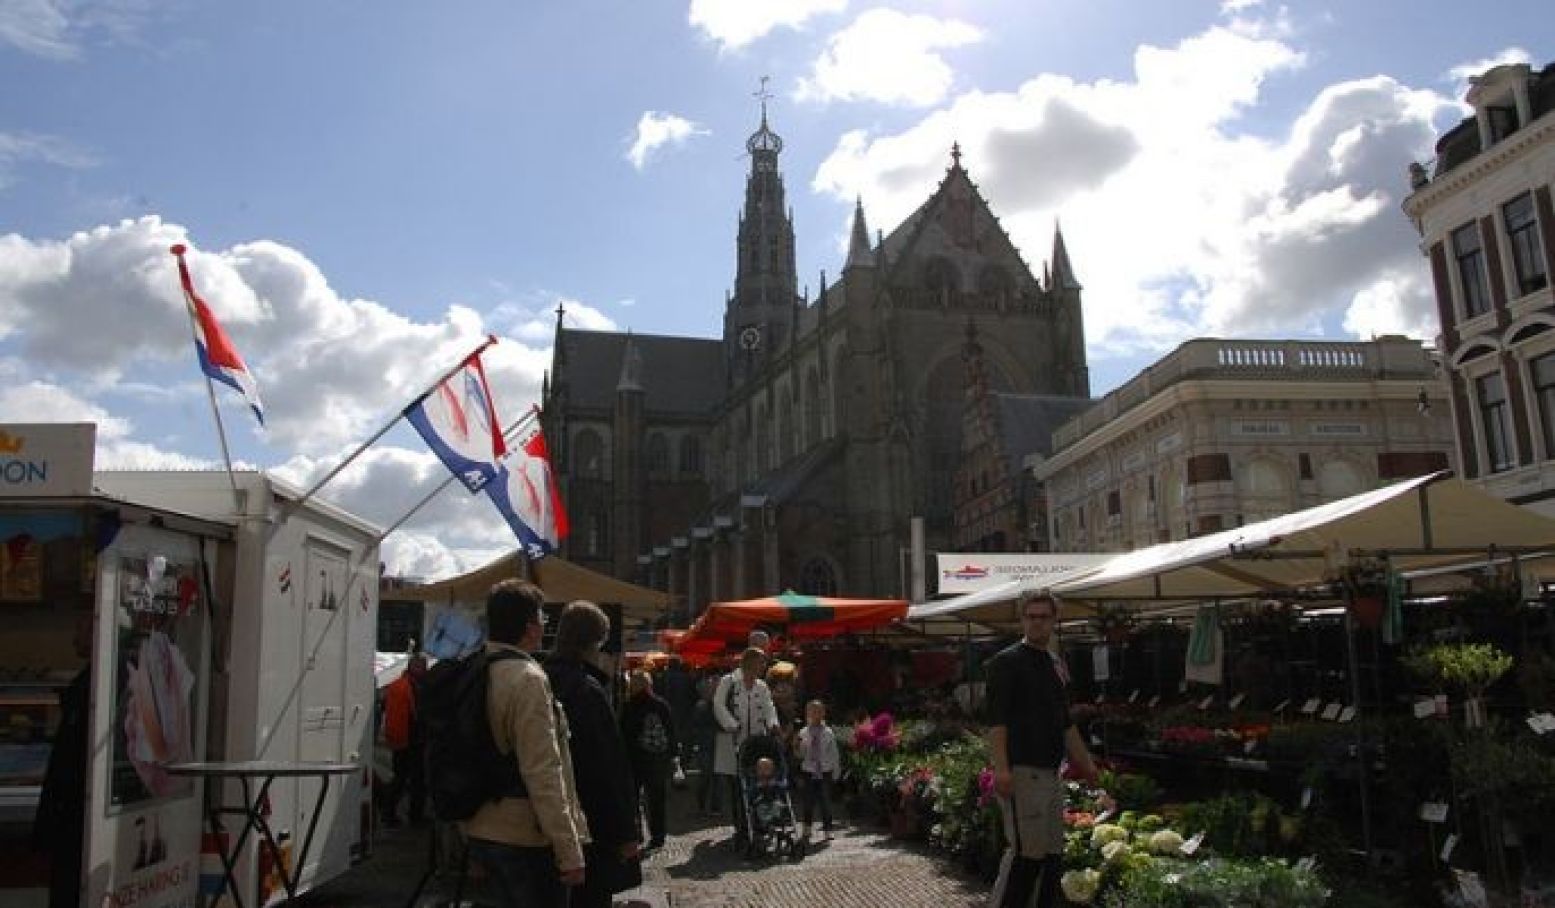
698,868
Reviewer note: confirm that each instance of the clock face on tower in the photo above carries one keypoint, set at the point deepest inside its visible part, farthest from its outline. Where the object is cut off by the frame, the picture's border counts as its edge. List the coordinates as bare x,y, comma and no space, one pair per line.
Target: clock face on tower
750,337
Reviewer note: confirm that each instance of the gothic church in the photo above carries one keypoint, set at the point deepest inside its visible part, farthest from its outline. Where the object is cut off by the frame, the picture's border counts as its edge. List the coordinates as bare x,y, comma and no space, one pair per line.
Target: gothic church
792,452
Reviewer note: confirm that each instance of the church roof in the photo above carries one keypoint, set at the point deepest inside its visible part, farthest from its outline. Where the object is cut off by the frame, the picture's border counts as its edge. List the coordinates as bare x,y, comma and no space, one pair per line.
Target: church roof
680,375
1028,421
787,480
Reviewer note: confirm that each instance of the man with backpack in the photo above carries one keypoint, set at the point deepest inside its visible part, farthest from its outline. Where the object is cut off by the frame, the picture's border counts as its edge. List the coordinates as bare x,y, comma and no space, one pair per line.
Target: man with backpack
512,790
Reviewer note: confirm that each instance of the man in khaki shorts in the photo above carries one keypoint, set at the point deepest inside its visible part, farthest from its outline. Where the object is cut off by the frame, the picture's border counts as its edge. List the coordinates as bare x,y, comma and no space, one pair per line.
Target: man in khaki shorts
1029,735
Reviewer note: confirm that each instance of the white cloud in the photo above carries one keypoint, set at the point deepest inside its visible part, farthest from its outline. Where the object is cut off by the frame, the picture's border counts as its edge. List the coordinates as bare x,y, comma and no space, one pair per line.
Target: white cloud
57,29
1463,72
736,23
655,130
19,148
37,27
890,57
1178,222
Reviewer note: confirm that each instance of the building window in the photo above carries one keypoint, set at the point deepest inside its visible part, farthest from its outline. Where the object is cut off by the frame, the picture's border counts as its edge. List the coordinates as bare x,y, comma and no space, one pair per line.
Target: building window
690,454
658,455
818,578
1543,371
1493,419
588,455
1470,254
1522,230
1503,121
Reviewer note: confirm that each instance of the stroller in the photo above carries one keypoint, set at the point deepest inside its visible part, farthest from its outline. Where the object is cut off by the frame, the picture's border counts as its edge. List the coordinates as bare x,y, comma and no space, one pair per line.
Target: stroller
771,827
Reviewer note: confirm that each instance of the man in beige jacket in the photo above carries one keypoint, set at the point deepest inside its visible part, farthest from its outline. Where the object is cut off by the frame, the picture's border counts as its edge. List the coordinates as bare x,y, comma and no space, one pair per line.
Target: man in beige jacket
531,846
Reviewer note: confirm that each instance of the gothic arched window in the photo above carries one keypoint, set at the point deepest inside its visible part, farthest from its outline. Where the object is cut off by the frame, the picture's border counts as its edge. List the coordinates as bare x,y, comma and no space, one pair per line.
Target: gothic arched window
818,578
588,455
658,455
939,275
690,454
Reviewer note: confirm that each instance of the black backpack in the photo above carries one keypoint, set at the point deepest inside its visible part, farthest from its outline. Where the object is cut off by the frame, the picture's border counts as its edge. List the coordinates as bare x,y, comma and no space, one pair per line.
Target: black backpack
464,768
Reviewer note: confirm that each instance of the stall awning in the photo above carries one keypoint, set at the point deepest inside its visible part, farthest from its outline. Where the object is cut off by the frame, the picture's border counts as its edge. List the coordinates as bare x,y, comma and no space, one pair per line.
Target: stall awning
799,617
562,581
1428,521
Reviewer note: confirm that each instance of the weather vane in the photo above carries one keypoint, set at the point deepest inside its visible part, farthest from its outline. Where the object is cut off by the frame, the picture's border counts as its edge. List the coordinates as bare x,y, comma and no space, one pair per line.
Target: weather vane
761,94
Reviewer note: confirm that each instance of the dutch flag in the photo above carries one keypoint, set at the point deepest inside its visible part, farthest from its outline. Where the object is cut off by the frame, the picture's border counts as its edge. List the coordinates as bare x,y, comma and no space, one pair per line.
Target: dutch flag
219,360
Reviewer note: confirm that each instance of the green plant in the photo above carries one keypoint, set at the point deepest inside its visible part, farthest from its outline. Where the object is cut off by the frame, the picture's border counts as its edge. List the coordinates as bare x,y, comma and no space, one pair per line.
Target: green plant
1130,790
1470,667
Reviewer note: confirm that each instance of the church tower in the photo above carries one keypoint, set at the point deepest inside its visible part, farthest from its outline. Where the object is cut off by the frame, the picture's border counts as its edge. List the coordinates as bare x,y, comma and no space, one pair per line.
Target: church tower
759,315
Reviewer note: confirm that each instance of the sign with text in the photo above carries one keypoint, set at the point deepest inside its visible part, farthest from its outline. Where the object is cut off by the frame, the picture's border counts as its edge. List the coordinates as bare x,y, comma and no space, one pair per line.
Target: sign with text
964,572
46,460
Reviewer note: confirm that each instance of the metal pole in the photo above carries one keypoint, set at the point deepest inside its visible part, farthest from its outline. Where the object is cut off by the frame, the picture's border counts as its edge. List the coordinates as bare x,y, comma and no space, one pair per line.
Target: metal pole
1355,699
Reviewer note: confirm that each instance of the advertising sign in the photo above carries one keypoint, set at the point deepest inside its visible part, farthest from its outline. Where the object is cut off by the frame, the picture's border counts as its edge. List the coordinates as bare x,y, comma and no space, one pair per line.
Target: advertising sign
963,572
46,460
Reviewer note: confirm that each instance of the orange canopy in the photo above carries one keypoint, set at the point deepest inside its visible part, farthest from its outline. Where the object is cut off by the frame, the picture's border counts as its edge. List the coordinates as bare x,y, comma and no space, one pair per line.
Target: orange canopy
799,617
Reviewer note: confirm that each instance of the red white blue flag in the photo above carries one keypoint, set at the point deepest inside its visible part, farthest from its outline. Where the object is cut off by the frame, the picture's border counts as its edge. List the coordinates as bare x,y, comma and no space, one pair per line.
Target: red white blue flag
458,421
219,360
527,497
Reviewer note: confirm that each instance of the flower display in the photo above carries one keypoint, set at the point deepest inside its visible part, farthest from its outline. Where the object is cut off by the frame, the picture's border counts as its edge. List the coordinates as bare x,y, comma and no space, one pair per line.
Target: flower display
877,734
1103,834
984,786
1165,842
1112,852
1080,886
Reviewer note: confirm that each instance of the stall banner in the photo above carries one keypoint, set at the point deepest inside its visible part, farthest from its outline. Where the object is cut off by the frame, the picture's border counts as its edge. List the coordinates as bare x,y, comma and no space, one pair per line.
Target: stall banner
964,572
157,865
159,613
46,460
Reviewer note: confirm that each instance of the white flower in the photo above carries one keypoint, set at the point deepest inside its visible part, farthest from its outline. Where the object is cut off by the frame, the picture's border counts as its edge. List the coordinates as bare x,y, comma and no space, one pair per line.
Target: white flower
1165,842
1102,833
1113,851
1080,885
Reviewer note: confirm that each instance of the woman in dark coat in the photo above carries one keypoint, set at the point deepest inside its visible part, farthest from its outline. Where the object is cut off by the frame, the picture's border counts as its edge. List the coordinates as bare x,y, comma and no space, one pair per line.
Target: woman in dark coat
599,760
649,729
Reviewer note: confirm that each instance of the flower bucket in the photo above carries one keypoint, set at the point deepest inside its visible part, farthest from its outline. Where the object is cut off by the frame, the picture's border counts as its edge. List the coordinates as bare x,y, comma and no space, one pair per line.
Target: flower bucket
1367,609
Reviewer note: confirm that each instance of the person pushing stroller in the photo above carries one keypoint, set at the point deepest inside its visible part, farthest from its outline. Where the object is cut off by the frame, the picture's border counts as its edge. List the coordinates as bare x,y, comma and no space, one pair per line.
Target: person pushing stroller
742,704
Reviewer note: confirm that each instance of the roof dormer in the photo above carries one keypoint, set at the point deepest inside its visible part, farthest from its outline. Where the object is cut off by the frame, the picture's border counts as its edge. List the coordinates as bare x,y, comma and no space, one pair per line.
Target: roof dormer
1500,101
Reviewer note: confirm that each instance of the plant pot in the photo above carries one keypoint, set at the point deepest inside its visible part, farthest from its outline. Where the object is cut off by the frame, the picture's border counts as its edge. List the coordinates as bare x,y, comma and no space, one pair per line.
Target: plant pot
904,823
1474,712
1367,609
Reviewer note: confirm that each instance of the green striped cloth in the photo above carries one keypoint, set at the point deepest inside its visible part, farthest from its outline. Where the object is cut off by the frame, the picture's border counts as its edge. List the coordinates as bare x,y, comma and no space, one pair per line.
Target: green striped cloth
1201,643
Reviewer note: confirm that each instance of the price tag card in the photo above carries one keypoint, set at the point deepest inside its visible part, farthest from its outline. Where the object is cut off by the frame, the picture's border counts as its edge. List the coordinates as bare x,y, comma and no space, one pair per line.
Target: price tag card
1095,740
1134,697
1306,864
1448,846
1204,703
1425,709
1104,816
1433,812
1311,706
1546,723
1331,711
1192,845
1154,701
1306,797
1347,714
1236,701
1280,707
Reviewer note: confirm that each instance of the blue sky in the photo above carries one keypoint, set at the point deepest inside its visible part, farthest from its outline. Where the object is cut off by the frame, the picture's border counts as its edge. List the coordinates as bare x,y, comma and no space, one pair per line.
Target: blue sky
370,188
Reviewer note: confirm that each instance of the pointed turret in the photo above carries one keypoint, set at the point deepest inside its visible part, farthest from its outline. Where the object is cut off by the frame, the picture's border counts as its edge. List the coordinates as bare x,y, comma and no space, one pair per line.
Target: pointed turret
559,351
631,366
859,253
1063,273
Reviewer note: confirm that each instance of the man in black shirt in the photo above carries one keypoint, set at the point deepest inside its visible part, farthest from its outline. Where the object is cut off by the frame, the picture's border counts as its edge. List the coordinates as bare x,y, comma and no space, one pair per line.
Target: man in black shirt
1029,736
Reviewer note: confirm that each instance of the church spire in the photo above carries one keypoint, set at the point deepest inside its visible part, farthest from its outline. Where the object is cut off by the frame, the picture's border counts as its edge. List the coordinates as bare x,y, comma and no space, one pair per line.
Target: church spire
859,254
759,318
631,366
1063,273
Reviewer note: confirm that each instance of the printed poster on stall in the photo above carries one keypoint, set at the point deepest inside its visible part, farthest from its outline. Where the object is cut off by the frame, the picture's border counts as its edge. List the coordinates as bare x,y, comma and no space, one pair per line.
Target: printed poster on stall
155,701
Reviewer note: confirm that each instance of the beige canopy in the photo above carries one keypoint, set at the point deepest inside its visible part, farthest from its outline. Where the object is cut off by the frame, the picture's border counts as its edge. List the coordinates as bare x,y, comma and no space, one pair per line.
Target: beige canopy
1426,522
562,581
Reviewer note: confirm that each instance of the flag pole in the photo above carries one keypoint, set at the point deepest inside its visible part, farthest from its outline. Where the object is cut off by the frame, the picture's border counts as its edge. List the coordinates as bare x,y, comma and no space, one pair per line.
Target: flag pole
518,424
290,508
178,250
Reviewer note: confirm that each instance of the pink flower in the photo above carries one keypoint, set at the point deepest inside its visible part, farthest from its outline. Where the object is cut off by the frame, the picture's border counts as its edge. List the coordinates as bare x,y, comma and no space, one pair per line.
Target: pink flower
984,786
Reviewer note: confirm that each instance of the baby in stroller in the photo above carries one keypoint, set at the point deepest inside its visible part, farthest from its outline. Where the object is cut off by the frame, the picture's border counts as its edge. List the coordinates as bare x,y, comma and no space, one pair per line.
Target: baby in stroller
771,827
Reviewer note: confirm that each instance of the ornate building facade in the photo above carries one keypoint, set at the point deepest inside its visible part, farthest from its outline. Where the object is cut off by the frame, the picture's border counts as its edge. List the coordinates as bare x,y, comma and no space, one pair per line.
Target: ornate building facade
1219,433
1487,226
793,451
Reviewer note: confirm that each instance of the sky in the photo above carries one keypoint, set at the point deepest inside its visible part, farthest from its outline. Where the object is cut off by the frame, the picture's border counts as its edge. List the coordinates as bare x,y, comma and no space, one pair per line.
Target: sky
368,190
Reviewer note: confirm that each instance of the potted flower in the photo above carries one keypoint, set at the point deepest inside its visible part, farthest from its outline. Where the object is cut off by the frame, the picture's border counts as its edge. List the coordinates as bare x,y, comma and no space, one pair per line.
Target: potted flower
1470,667
1365,585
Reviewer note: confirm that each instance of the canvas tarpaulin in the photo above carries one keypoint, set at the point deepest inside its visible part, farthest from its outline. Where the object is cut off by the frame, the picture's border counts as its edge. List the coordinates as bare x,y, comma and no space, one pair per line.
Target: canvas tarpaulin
799,617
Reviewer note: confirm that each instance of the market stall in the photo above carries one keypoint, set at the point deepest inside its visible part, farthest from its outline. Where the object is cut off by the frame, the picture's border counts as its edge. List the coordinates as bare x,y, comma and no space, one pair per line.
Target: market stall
727,625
